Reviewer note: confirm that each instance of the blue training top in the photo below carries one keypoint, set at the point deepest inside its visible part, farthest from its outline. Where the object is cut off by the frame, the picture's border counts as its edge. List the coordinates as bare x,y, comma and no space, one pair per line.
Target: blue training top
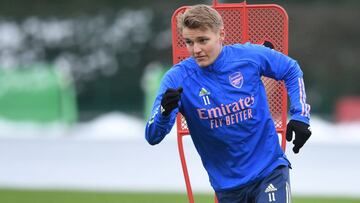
227,113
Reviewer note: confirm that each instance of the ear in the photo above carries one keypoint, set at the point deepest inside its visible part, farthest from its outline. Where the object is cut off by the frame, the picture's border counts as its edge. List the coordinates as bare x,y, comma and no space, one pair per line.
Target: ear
222,34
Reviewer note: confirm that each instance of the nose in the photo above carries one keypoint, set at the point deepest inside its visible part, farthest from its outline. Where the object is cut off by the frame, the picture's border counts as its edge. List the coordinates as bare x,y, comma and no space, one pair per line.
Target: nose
197,48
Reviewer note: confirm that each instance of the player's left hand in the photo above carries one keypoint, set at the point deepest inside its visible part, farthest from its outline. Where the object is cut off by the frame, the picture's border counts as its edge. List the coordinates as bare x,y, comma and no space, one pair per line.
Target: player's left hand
302,134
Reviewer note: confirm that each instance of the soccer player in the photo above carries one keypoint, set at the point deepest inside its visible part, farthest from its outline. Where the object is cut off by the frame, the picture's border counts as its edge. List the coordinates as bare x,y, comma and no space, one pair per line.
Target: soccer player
220,92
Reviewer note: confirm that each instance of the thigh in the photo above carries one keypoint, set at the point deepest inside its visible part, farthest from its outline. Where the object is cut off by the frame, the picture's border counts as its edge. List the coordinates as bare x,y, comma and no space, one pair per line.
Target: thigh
275,188
233,196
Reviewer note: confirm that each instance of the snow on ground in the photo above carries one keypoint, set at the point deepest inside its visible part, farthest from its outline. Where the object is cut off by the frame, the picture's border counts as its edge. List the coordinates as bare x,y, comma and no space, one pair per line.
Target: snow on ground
110,153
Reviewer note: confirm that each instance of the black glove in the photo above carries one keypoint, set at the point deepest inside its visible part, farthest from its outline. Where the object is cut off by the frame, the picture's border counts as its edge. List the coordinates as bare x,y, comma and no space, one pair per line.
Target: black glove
268,44
302,134
170,100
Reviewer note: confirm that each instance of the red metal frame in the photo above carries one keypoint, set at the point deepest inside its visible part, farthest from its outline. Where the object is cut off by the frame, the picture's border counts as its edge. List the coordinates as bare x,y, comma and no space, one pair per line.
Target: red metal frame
246,30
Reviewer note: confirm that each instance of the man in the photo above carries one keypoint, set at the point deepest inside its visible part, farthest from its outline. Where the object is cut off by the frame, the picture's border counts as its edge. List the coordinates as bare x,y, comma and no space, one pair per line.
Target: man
219,91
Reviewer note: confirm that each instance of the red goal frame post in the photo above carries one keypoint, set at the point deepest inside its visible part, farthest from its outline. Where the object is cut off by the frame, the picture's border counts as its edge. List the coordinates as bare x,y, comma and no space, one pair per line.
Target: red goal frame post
243,22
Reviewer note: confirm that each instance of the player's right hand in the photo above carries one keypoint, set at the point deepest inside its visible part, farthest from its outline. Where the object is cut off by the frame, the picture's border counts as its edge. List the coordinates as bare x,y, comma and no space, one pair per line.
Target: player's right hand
170,100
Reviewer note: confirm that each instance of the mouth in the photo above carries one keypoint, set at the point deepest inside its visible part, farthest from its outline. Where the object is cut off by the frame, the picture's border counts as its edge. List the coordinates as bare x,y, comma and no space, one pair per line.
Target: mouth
200,58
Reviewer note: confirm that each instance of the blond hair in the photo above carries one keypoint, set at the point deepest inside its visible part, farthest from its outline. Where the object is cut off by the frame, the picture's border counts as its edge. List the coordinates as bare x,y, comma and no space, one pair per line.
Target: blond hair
200,17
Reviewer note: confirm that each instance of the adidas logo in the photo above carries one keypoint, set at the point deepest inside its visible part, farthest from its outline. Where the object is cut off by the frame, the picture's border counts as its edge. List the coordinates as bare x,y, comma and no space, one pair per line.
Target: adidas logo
270,188
203,92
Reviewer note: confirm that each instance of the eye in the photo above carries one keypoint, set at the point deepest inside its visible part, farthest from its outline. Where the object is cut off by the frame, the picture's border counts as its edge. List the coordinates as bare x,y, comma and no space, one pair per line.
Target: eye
188,42
203,40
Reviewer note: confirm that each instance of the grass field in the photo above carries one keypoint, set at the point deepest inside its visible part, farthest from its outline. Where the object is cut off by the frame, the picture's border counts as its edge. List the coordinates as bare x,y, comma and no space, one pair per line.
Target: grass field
53,196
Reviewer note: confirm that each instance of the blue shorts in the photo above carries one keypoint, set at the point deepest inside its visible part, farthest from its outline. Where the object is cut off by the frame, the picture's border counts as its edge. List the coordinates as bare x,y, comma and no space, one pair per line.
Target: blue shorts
274,188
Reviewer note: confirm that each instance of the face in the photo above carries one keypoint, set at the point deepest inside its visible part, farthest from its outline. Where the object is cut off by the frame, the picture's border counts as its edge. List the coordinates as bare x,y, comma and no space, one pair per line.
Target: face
204,45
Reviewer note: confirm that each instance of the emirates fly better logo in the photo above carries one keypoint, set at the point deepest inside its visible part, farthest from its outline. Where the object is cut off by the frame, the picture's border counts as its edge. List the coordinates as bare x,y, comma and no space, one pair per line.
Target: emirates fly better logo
236,79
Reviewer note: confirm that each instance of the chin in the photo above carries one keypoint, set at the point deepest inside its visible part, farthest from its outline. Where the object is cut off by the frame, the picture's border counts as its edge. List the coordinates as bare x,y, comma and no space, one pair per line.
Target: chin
202,63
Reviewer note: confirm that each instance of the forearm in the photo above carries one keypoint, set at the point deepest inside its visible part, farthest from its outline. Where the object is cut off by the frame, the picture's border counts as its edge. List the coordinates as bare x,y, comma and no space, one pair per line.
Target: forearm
299,109
159,126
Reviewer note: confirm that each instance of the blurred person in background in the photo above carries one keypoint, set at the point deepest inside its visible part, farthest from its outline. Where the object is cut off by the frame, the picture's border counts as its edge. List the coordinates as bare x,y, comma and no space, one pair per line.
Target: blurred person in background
219,91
